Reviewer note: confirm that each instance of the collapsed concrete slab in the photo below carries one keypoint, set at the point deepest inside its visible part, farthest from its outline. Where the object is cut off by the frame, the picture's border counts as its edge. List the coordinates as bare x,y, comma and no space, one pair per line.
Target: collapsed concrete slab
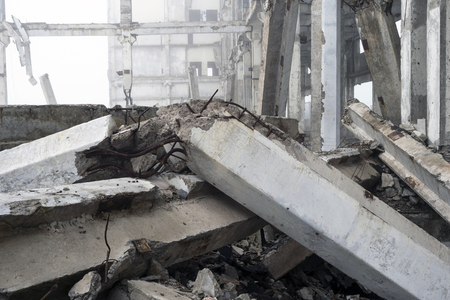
297,192
170,231
425,172
51,160
33,207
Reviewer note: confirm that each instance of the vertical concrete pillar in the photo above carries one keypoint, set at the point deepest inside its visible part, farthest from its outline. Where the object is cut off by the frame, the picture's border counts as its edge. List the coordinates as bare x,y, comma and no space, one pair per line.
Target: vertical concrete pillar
3,43
381,44
438,127
276,54
296,108
325,74
127,40
193,83
247,74
413,61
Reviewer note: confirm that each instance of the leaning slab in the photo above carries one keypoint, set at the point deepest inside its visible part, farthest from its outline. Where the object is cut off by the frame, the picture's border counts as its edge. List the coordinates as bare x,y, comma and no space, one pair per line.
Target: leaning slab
51,160
322,209
425,172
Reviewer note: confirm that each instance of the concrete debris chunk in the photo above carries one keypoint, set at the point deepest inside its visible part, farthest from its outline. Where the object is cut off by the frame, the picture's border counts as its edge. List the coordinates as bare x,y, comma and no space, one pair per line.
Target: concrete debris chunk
387,180
143,163
87,288
306,293
141,290
206,284
285,257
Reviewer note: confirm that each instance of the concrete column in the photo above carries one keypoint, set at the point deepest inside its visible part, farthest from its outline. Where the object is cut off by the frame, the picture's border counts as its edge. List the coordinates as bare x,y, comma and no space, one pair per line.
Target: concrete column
193,83
413,62
296,108
47,89
127,40
3,43
381,44
277,41
434,70
325,74
247,74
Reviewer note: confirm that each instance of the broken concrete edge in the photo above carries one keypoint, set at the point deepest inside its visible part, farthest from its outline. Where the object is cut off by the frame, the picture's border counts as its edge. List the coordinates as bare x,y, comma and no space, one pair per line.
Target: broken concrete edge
438,205
42,206
428,169
172,233
25,123
367,234
51,160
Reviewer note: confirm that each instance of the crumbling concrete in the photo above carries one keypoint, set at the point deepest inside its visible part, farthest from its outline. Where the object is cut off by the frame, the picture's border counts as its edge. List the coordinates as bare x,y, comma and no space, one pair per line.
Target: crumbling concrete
285,257
141,290
424,171
51,160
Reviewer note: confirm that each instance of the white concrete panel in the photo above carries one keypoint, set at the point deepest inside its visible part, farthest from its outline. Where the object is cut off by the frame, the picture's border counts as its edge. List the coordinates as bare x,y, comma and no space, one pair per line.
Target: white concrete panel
205,4
145,11
206,38
177,10
177,61
51,160
148,90
151,40
147,61
177,39
180,90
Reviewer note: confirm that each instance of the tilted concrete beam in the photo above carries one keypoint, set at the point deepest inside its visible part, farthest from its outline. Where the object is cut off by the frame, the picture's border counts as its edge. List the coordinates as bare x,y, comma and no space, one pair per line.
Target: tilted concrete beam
381,44
315,204
51,160
424,171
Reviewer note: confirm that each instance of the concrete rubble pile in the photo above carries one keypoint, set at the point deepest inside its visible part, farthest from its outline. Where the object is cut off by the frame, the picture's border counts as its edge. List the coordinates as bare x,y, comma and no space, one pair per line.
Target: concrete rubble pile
101,198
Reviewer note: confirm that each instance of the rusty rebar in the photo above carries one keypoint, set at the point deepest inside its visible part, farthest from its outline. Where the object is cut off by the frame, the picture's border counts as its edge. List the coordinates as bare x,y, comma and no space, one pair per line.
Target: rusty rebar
54,287
109,250
190,108
209,101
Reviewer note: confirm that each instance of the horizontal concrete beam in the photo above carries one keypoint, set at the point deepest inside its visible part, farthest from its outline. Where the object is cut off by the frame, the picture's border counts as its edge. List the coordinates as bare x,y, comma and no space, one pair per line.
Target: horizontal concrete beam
424,171
63,252
294,190
33,207
51,160
107,29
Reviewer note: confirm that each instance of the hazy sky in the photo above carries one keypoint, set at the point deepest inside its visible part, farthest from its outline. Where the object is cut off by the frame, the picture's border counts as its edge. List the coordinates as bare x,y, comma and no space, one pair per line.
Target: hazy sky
77,66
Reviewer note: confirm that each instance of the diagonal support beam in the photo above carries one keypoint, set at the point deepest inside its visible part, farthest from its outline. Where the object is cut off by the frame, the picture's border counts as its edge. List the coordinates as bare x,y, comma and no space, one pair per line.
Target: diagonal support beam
424,171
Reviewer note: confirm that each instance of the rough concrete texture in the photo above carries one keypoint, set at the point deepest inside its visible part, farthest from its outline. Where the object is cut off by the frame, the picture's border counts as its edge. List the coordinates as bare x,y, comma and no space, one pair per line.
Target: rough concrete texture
25,123
63,252
287,125
51,160
206,285
33,207
356,232
381,44
141,290
423,170
87,288
283,259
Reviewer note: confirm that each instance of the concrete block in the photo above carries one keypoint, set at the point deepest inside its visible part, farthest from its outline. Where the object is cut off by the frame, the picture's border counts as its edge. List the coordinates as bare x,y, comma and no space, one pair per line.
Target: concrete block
142,290
425,172
321,209
285,257
206,285
287,125
87,288
63,252
51,160
187,186
33,207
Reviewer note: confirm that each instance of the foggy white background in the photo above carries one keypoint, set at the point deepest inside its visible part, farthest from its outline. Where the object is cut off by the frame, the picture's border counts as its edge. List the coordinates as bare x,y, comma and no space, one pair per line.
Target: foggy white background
77,66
